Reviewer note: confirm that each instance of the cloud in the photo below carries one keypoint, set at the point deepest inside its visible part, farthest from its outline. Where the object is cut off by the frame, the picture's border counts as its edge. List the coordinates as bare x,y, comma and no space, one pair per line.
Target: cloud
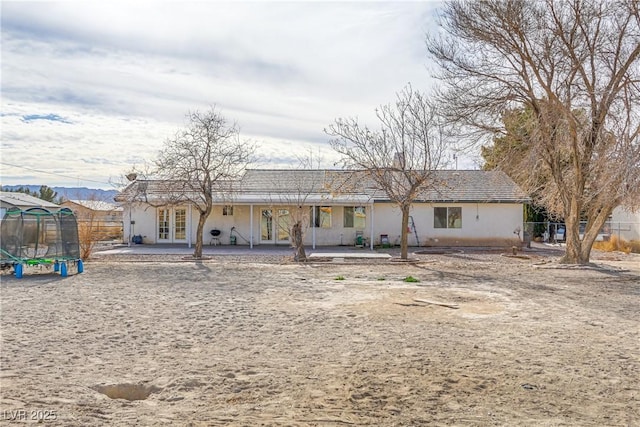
51,117
111,81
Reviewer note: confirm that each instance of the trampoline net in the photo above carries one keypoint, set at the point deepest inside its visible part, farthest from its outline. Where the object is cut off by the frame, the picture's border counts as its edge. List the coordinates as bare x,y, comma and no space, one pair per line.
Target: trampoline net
38,233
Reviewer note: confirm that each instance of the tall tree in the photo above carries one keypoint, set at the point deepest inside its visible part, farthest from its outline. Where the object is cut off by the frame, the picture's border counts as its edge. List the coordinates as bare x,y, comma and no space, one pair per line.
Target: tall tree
575,66
45,193
48,194
201,162
401,156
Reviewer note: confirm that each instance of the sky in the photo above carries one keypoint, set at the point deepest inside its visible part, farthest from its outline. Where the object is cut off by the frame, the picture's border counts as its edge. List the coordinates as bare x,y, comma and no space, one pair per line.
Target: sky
92,89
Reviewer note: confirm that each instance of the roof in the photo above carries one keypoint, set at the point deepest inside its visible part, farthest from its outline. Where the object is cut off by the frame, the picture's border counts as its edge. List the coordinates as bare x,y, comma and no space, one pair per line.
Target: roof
350,186
471,186
96,205
474,186
22,200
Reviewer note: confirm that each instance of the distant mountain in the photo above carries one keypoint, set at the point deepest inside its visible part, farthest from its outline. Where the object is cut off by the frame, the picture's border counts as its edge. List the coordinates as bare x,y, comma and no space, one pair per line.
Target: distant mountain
71,193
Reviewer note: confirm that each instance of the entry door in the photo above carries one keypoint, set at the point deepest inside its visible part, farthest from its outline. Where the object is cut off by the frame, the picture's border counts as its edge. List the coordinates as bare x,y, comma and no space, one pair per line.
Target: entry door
164,225
180,225
283,221
274,226
266,226
172,225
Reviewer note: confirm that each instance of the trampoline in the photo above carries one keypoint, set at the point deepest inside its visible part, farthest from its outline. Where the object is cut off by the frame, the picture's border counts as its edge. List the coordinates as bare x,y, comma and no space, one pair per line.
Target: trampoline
40,238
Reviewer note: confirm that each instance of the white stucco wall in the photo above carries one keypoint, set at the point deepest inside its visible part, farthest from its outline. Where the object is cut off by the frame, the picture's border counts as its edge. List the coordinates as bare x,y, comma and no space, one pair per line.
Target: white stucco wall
482,224
244,231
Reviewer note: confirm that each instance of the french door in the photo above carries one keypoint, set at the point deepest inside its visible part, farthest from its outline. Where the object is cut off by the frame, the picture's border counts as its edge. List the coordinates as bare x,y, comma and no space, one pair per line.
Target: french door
172,225
274,225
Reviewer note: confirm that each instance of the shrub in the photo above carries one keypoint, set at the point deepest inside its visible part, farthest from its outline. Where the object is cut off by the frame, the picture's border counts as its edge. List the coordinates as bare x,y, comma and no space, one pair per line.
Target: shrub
617,244
410,279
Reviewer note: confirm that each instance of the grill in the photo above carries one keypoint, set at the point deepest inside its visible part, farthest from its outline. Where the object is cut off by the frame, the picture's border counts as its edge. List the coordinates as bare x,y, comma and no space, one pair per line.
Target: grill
215,237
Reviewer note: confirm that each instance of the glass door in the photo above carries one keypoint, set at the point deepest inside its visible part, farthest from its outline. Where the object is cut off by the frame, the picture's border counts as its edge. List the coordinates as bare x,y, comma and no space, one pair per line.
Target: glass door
266,226
163,225
180,225
283,221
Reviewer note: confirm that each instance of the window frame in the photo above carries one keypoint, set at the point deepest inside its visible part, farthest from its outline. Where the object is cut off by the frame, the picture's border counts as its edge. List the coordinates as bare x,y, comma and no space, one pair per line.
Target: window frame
353,216
452,215
321,216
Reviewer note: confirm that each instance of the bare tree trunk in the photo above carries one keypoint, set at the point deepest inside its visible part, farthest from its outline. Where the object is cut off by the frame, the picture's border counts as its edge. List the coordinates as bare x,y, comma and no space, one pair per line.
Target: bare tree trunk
574,244
197,253
578,250
404,250
296,240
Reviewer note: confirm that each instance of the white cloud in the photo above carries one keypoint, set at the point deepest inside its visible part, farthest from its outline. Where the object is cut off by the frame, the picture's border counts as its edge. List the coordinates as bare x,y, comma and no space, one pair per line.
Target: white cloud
125,74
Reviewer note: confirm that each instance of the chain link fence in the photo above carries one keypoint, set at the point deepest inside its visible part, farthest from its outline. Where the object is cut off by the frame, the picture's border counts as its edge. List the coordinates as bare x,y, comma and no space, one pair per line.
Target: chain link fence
554,232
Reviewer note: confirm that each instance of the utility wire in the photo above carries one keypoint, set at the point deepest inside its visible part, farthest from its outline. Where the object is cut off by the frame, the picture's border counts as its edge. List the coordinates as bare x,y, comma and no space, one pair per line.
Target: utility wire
53,173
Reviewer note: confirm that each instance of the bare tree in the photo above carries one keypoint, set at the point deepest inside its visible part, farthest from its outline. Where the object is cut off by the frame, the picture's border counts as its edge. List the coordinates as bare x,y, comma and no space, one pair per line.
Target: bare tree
294,188
574,65
201,162
401,156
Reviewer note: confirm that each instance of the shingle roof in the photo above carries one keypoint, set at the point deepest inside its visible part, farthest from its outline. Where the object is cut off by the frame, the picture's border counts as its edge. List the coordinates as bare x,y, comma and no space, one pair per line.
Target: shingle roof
97,205
22,200
446,186
469,186
474,186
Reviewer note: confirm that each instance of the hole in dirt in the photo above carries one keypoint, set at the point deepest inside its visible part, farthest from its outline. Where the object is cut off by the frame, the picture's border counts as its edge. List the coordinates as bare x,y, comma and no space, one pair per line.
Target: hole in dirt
127,391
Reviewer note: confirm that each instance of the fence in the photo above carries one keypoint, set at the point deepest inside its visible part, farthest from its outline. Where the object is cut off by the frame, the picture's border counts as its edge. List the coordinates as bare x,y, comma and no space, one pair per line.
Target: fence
101,231
554,232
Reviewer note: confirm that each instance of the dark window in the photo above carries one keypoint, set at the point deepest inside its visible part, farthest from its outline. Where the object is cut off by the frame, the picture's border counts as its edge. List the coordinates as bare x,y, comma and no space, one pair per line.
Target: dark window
447,217
354,217
322,216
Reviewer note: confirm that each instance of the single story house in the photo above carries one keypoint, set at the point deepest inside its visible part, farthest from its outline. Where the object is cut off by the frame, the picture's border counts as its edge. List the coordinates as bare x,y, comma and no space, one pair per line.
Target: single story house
337,207
9,200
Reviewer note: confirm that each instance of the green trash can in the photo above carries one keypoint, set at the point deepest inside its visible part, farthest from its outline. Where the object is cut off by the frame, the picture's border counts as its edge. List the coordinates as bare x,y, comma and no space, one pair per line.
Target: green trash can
232,240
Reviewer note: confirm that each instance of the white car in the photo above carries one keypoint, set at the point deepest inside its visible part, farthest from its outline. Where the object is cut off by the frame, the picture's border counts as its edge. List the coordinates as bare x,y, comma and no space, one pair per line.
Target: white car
602,236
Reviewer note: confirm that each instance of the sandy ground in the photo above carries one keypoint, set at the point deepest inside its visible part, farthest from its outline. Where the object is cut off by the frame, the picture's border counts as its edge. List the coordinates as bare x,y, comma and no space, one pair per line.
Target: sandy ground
246,341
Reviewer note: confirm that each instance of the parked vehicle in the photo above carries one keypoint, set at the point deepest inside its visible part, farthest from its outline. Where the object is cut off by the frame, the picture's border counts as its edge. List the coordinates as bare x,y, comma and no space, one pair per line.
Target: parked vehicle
603,235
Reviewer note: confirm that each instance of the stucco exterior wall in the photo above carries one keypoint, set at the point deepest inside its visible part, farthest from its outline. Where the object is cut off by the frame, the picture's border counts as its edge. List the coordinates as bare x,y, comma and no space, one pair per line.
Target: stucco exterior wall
481,224
244,229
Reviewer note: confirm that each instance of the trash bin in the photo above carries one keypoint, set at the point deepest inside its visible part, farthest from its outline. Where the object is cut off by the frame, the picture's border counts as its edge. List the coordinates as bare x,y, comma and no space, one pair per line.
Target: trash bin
232,240
526,239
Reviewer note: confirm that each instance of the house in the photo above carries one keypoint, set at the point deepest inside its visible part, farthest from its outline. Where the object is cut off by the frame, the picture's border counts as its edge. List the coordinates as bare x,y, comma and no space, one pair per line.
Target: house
22,201
104,218
462,208
625,224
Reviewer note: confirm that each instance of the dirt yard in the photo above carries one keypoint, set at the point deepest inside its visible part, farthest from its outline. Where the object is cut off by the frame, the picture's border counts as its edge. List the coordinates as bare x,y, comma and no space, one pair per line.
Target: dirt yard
480,340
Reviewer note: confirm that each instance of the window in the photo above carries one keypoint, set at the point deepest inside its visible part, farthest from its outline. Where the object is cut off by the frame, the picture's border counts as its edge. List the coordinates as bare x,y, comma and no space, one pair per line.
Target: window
447,217
322,216
354,217
227,210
